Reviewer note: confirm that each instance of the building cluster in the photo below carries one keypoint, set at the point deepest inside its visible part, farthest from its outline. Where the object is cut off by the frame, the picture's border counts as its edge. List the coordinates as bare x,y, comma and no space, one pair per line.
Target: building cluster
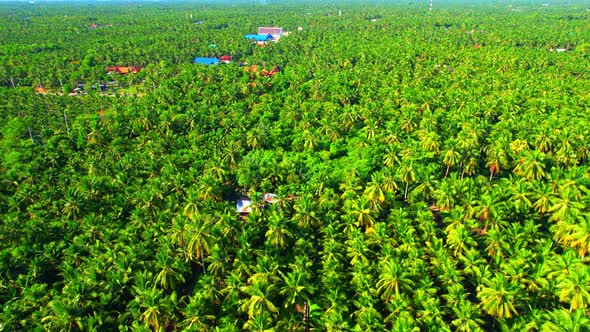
266,35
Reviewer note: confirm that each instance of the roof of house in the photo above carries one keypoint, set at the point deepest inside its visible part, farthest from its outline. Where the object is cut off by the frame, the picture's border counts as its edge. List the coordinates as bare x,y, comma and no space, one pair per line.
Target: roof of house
225,58
251,69
275,70
274,31
270,198
206,61
260,37
243,205
40,89
124,69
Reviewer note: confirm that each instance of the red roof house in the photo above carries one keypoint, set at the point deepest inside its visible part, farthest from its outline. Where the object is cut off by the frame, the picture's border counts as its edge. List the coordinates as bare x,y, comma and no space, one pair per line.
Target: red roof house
124,70
275,70
40,89
225,58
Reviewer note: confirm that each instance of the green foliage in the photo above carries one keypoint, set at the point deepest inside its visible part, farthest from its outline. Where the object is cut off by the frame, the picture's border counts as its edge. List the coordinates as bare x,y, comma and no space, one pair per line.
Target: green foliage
431,168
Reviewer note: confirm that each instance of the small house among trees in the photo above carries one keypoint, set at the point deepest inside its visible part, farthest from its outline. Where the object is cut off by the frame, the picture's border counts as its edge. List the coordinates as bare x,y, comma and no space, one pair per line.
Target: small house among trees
40,89
275,32
265,35
206,61
244,204
260,38
124,70
275,70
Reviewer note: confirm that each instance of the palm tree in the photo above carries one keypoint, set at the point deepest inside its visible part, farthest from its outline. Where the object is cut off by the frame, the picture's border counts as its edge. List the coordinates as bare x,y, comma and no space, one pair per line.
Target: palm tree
429,141
495,244
209,188
443,196
520,196
218,260
171,269
258,301
468,317
389,185
497,159
563,321
367,317
531,166
198,240
497,297
407,175
357,248
305,212
431,311
574,288
259,323
543,195
375,190
71,207
197,315
393,277
149,301
391,156
231,292
565,208
455,295
543,143
334,299
278,232
62,317
450,159
363,214
459,240
296,288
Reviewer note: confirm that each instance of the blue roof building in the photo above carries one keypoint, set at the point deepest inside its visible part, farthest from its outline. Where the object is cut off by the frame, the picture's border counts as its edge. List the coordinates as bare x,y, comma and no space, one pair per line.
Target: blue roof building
265,37
206,61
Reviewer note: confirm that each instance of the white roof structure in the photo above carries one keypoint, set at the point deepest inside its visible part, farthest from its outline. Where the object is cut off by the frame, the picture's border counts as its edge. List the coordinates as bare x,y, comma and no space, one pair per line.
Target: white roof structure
270,198
275,32
244,205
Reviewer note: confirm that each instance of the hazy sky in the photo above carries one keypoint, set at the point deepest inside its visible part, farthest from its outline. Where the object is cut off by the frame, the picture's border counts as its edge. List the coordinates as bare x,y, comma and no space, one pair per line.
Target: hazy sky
488,2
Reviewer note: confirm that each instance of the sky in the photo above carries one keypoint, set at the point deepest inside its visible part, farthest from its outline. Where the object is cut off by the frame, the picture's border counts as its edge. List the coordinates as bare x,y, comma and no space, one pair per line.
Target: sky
520,2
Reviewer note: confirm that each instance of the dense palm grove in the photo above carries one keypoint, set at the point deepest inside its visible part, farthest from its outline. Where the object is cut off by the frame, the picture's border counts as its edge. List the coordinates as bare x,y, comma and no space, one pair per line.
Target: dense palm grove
432,169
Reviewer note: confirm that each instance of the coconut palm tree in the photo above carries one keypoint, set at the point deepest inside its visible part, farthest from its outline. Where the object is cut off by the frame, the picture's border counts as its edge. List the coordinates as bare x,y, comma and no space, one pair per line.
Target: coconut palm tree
497,297
531,166
565,207
257,301
305,212
563,320
393,278
296,289
574,288
363,215
450,159
468,318
197,315
407,175
459,240
375,190
278,232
